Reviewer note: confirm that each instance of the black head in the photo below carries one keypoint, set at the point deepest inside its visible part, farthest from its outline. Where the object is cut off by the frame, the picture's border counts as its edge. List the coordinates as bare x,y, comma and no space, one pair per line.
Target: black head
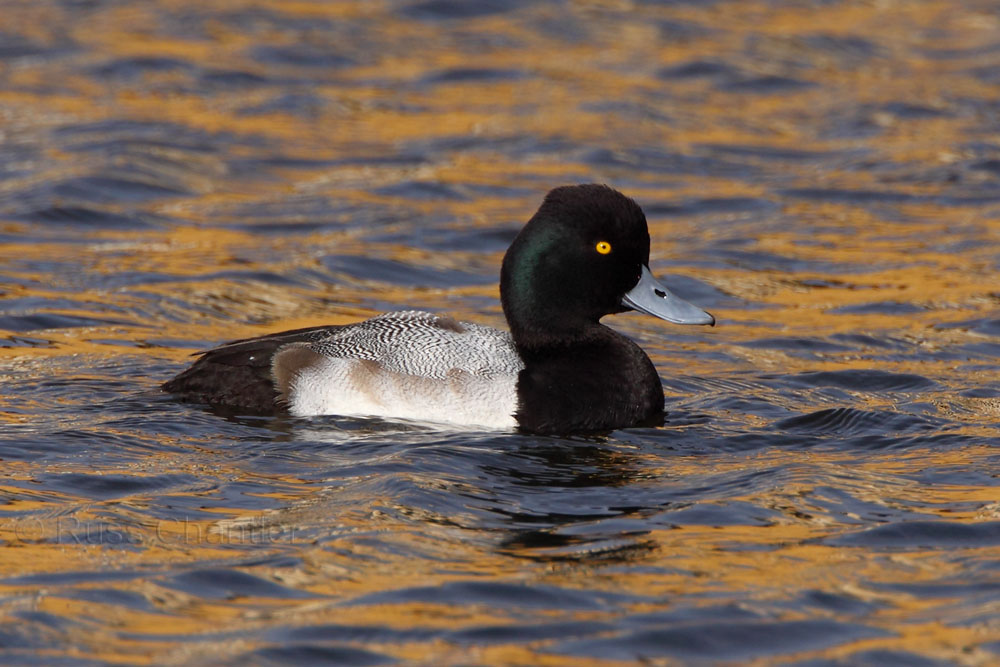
573,263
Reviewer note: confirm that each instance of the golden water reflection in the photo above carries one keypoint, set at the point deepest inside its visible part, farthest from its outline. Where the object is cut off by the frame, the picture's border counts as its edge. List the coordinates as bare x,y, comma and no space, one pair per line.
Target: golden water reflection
179,173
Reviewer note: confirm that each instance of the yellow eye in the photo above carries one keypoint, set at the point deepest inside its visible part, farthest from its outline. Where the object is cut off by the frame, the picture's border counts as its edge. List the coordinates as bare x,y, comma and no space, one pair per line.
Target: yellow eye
603,247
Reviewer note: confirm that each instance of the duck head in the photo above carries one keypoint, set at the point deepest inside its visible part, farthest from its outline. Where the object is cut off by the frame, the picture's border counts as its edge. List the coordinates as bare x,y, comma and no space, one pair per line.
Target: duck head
583,255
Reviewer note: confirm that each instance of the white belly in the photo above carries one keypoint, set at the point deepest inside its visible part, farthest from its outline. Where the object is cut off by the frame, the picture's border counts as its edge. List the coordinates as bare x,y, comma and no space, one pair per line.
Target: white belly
359,387
407,365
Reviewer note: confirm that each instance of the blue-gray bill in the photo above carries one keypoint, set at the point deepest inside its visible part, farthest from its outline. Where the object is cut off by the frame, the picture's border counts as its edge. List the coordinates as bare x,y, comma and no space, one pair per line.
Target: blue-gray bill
652,298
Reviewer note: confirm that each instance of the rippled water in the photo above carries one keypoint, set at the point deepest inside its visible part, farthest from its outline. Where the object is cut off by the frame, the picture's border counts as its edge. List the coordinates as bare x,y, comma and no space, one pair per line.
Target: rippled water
823,176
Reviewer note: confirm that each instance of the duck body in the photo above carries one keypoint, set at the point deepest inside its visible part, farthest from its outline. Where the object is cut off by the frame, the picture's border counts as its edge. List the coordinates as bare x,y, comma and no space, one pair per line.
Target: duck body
583,255
598,384
408,365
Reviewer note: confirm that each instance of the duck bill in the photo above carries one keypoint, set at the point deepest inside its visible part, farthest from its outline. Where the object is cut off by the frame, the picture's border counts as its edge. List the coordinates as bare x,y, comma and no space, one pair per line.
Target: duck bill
651,297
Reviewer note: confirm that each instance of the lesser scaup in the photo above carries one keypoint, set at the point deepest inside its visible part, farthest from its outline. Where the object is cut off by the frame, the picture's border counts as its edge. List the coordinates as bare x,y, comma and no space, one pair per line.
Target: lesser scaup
583,255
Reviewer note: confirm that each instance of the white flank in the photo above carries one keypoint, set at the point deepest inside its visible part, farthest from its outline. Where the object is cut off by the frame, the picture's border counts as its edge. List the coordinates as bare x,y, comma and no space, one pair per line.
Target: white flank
406,365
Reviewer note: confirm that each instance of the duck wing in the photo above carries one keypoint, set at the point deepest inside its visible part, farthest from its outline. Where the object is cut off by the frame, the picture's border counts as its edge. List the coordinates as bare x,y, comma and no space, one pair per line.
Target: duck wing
407,364
237,375
404,365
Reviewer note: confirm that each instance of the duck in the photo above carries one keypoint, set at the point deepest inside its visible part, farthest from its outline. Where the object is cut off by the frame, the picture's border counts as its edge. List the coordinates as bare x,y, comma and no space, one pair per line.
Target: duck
558,370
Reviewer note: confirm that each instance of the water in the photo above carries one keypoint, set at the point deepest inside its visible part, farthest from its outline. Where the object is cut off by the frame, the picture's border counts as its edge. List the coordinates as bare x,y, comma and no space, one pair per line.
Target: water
823,177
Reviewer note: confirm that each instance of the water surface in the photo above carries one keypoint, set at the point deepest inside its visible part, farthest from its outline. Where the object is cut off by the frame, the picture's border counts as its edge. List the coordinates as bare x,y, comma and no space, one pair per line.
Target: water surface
823,177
